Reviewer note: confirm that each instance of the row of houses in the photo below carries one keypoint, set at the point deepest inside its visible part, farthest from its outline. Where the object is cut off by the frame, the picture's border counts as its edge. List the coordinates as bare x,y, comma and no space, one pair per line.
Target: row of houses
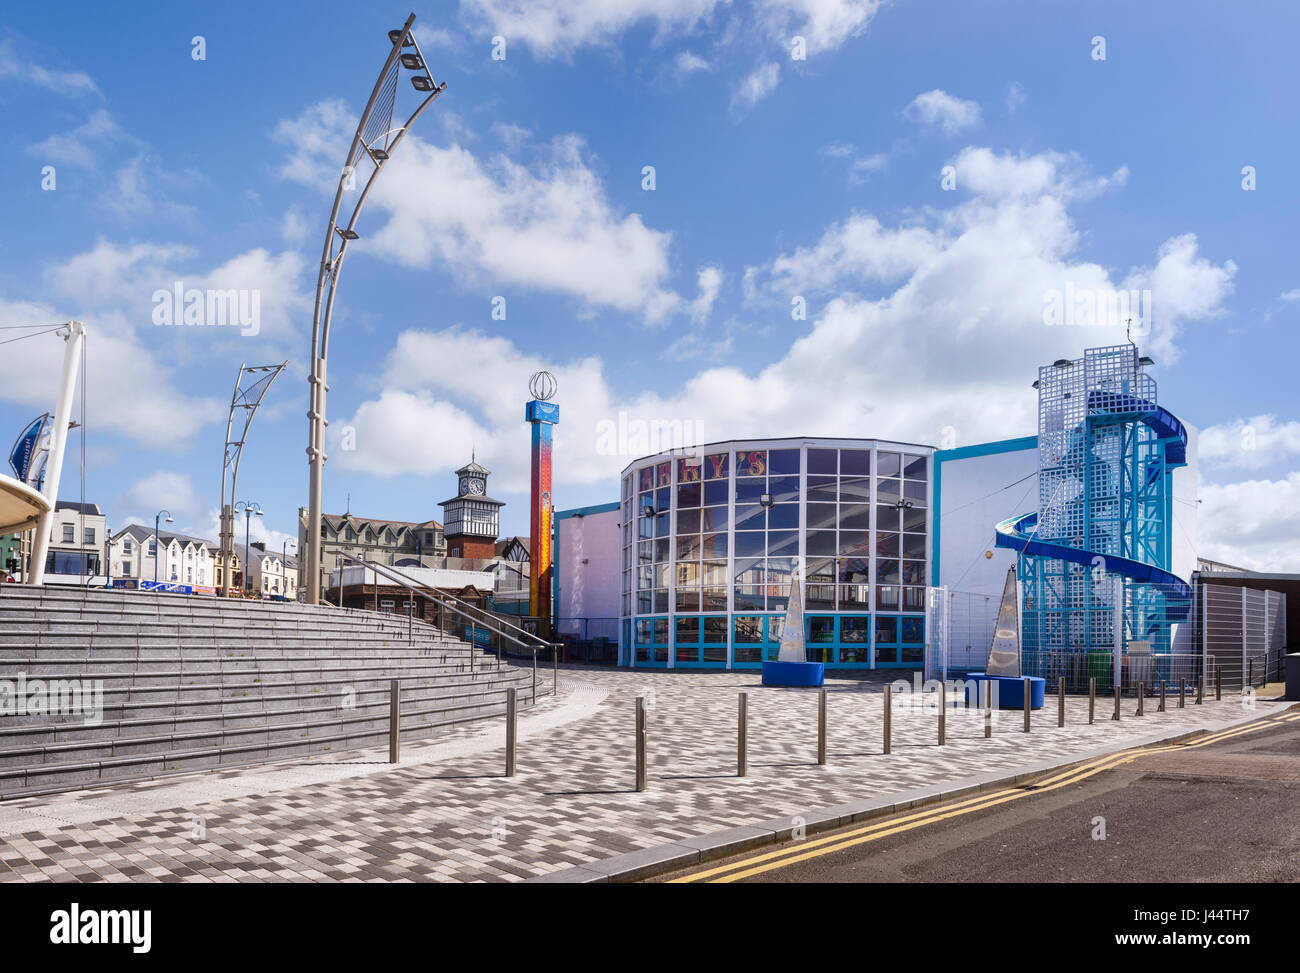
84,551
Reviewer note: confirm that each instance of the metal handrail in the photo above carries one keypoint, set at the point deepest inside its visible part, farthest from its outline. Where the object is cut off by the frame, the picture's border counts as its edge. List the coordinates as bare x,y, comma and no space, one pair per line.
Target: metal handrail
443,598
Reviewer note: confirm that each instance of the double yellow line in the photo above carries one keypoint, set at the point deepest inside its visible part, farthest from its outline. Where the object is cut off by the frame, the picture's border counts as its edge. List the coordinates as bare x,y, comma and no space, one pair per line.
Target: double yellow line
805,850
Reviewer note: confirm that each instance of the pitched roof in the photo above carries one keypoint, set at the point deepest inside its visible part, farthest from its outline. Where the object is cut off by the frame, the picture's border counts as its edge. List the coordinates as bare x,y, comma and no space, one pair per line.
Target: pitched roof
143,532
81,508
335,521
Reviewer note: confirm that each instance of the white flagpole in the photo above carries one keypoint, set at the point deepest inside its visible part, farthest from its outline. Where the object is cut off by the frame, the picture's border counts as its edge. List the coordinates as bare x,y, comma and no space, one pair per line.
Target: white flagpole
74,336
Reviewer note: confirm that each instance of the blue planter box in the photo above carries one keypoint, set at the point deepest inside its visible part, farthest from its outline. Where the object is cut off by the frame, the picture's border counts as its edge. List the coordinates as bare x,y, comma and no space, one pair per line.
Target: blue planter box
1010,690
793,673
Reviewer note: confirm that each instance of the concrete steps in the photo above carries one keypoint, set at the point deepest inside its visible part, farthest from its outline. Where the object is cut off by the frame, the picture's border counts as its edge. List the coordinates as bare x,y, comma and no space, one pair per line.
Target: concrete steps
187,682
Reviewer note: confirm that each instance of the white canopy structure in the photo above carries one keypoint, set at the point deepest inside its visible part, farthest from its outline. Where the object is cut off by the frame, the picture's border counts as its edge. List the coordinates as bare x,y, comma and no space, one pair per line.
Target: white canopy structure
21,506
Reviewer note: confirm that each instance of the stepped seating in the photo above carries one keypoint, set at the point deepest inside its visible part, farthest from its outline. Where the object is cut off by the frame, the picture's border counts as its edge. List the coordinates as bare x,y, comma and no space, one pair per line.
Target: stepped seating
191,682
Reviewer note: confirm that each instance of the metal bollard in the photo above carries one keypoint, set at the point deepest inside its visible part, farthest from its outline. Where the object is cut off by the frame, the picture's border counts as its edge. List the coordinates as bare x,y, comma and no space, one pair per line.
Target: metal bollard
742,737
888,717
1182,693
1218,685
1162,696
1142,696
943,713
511,732
988,708
1117,697
1092,700
640,744
1200,691
821,728
534,677
394,721
555,672
1060,701
1029,699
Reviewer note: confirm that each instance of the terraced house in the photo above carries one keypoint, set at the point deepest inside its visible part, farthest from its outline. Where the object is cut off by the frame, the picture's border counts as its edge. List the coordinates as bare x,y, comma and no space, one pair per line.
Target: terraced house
184,559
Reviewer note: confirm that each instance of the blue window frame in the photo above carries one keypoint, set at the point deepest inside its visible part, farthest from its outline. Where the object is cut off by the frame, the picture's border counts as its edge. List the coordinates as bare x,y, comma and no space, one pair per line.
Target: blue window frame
700,641
651,642
754,638
839,640
900,641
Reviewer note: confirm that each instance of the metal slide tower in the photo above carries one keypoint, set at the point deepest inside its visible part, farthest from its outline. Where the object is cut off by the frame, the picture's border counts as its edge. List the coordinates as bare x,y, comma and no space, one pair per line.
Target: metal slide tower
1107,452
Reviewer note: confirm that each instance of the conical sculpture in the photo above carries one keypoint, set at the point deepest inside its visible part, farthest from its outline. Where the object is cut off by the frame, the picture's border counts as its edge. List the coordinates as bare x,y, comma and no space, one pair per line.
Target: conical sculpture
792,647
1004,653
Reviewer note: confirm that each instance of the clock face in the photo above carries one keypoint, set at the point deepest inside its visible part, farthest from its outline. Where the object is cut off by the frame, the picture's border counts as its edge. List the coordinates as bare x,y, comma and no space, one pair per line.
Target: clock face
475,487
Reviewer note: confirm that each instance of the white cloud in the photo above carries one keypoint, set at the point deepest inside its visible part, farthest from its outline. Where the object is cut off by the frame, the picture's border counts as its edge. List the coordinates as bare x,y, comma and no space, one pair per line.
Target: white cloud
1254,524
12,65
293,227
710,282
513,137
1184,286
557,28
1291,295
124,279
687,62
547,224
756,86
131,390
162,490
825,24
1249,443
1015,98
859,166
83,145
953,340
938,109
1056,174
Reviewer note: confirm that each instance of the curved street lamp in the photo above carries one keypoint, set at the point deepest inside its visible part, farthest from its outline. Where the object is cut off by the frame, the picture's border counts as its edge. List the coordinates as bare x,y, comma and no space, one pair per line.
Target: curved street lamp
375,140
157,548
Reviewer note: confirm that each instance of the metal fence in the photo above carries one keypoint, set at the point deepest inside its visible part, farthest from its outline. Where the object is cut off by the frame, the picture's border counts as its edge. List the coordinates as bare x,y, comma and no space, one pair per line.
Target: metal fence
1222,636
591,641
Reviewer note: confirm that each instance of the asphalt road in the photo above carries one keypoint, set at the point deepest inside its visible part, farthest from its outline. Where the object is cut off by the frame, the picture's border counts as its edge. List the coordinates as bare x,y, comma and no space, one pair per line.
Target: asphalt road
1221,811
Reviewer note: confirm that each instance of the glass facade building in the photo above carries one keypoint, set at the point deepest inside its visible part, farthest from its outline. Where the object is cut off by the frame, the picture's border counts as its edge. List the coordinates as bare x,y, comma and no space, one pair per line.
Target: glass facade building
711,541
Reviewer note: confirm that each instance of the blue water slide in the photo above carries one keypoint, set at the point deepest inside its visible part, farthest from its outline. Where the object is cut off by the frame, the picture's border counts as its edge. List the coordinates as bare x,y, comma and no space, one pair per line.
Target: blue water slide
1017,533
1164,423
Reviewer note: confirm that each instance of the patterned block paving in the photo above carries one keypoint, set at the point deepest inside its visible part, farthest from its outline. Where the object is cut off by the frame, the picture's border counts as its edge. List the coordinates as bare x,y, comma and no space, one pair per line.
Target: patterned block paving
447,813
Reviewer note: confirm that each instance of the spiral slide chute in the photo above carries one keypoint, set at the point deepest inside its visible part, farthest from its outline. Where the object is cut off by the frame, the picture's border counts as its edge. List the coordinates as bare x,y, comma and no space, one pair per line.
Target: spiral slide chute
1017,533
1164,423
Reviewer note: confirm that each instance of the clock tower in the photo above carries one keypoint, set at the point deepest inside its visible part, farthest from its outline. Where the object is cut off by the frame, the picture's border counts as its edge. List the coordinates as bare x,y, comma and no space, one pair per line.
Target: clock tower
471,518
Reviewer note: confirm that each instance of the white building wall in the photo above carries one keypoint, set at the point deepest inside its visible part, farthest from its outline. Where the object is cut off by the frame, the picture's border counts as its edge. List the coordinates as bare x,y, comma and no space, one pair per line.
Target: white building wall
976,493
587,569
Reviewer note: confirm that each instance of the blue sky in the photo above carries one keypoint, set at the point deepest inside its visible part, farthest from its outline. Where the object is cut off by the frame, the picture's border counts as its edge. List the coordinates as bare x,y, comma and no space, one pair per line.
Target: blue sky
774,179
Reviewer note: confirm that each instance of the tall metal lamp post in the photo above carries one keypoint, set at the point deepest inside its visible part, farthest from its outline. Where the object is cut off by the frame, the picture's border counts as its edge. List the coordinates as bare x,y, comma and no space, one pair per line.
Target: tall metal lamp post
372,146
284,565
249,508
157,547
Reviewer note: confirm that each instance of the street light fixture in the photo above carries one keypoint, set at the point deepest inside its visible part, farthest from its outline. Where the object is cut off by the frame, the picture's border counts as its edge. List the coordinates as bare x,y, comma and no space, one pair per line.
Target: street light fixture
249,508
376,138
157,548
284,565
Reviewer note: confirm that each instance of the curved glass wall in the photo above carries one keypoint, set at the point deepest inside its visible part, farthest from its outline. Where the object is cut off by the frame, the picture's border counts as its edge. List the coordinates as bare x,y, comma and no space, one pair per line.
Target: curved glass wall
711,542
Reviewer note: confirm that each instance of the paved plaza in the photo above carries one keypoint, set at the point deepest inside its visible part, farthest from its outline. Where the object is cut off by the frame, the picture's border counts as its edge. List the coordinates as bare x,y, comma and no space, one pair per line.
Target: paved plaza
448,813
